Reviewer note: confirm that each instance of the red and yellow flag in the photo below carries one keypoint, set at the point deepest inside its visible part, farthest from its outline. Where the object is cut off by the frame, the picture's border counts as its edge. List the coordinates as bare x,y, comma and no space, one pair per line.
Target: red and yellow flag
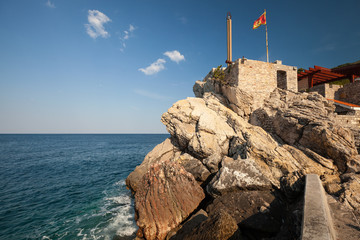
260,21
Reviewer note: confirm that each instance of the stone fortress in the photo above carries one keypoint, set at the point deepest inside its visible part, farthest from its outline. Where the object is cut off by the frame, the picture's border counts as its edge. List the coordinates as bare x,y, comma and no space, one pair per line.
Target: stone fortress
257,79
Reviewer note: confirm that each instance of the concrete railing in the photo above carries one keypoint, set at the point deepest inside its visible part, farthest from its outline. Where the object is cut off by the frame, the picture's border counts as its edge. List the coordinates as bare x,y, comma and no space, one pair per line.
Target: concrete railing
317,222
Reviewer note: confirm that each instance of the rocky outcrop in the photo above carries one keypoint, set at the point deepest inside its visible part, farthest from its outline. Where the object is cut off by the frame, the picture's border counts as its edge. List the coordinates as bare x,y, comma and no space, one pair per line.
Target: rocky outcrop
306,120
166,196
250,161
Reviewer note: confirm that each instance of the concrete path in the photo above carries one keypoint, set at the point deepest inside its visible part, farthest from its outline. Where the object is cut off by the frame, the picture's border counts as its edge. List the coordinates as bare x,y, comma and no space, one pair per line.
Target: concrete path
317,222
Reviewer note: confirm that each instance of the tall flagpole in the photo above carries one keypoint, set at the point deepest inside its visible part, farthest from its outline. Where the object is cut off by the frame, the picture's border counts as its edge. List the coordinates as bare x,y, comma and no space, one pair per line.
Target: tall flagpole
229,39
267,43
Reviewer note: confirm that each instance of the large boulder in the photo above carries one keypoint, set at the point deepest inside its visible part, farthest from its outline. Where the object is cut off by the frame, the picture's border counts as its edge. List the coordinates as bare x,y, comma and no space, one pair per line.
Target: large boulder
197,128
240,174
257,210
162,152
166,196
218,226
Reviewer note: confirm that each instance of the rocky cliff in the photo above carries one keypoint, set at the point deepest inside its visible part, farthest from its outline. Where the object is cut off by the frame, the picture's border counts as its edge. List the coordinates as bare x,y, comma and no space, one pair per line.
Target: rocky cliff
234,171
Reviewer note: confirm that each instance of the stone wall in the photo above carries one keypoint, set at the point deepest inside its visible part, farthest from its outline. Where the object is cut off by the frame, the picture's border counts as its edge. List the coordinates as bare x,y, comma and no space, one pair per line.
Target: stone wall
353,123
350,93
303,84
327,90
261,78
348,120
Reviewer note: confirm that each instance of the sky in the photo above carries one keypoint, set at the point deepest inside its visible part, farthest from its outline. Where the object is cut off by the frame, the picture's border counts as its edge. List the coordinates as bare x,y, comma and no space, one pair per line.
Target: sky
106,66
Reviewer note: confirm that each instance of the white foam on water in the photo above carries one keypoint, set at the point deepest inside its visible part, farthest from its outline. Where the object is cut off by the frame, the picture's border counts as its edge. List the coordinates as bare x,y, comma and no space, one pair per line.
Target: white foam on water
117,212
122,199
120,183
80,233
122,207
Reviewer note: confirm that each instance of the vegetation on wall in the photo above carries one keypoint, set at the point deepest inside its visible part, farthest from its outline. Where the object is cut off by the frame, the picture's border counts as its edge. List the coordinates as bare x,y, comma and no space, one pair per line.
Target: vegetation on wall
300,70
340,82
219,74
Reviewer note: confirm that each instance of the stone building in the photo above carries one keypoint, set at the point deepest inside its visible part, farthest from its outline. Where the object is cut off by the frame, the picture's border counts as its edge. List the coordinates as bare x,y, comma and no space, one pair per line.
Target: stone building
246,83
261,78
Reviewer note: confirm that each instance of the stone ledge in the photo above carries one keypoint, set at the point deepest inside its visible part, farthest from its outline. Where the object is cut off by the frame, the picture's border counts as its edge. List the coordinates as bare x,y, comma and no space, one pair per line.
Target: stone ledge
317,223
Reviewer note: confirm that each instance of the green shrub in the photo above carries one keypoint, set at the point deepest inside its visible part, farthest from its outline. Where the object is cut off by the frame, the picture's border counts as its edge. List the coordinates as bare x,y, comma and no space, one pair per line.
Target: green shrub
219,74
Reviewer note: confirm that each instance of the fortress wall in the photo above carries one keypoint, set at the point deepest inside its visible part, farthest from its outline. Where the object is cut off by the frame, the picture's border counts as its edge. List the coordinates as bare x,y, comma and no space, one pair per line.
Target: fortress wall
327,90
261,78
350,93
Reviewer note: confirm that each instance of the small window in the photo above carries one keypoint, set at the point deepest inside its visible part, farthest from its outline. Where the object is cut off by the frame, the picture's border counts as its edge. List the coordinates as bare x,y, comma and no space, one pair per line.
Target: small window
281,79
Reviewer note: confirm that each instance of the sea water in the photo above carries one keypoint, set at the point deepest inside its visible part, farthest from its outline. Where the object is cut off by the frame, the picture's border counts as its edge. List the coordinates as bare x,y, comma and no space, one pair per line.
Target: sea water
69,186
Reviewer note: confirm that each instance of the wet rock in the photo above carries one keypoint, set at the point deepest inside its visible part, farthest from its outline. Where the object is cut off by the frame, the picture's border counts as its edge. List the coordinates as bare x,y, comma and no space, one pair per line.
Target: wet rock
166,196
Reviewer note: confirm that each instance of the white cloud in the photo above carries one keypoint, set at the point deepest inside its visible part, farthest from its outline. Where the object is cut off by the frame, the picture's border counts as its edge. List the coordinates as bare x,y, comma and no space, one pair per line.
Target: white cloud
175,56
131,28
149,94
128,32
155,67
127,35
95,27
50,4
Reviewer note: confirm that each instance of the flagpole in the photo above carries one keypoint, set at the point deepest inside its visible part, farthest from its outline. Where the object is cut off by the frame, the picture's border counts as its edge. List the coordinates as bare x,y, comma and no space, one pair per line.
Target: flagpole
267,43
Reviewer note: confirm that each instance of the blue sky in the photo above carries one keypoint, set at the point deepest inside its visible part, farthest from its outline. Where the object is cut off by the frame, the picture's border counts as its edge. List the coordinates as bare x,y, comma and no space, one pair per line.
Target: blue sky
101,66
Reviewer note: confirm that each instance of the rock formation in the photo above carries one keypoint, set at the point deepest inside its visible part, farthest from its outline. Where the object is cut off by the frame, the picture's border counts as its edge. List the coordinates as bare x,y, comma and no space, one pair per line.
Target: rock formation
250,161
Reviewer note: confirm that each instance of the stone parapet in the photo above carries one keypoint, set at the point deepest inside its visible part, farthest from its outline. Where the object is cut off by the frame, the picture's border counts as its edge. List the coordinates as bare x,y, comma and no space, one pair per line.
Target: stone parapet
317,222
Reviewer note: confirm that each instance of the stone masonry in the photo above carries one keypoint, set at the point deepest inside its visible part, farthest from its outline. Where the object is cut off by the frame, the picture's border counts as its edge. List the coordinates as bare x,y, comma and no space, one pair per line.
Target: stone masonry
261,78
327,90
350,93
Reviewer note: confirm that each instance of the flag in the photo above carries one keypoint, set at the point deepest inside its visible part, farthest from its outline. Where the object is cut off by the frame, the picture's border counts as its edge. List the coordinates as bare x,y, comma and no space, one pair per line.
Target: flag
260,21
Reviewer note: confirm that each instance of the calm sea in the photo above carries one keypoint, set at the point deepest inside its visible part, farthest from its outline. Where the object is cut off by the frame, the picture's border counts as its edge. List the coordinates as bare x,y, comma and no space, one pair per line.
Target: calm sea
69,186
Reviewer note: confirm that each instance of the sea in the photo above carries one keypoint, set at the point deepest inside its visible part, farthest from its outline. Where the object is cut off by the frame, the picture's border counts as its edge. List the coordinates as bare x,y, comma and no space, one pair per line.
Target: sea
69,186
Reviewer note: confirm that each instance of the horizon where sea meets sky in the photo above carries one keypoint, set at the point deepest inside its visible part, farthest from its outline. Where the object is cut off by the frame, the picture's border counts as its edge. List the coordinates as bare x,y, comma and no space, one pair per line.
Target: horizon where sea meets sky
91,66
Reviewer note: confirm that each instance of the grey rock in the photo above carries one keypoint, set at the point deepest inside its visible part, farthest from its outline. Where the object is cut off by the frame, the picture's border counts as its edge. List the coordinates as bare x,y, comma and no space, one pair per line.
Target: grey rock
237,174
